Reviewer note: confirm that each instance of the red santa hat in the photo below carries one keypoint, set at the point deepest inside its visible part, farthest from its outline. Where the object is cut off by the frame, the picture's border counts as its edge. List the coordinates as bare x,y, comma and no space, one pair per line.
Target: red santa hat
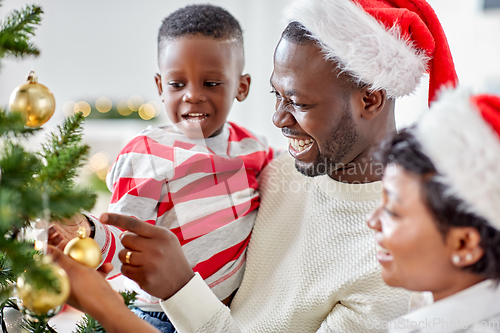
461,135
387,44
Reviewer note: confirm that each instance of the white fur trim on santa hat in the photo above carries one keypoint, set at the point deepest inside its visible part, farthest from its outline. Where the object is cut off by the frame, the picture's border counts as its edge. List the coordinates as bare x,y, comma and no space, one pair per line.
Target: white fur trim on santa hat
466,152
361,45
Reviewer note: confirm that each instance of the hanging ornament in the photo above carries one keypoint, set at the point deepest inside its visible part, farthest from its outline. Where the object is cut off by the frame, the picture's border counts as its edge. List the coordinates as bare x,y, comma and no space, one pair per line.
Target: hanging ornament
83,249
33,100
42,300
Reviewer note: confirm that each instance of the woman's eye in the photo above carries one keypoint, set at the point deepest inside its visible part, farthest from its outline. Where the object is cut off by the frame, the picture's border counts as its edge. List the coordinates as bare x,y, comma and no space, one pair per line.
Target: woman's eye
174,84
390,212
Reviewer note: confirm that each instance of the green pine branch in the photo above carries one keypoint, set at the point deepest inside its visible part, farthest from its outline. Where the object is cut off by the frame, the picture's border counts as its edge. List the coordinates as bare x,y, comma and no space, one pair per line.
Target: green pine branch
6,276
89,325
64,153
64,203
12,123
17,29
35,326
129,297
27,179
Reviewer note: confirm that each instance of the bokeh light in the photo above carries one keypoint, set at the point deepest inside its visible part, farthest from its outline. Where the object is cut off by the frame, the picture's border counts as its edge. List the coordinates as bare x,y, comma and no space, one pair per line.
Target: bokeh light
123,108
99,160
147,111
38,245
135,102
103,104
157,107
102,173
83,107
69,108
99,163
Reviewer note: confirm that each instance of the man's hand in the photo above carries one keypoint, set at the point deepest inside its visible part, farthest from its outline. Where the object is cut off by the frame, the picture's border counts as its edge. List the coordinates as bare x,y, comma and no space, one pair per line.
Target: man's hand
61,233
152,256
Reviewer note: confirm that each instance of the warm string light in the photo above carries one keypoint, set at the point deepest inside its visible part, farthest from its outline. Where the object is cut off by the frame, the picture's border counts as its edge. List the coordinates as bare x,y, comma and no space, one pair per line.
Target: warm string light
99,164
125,107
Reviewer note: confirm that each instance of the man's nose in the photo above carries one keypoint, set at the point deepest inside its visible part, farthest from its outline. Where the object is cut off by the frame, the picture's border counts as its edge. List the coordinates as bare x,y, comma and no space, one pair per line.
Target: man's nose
282,117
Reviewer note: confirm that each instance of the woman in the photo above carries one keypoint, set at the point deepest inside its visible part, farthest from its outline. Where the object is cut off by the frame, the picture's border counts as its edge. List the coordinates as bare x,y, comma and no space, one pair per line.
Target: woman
438,225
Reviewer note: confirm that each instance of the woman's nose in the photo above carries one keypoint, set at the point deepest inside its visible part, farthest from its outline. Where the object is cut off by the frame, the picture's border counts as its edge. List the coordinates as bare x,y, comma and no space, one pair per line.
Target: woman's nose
373,219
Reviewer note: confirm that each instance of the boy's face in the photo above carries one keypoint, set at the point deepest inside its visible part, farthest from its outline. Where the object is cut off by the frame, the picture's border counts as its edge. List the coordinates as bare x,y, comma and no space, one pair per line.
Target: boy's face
200,78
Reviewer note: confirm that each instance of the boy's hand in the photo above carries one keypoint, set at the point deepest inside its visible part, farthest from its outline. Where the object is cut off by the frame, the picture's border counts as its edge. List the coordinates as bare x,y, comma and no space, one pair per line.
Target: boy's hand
152,256
61,233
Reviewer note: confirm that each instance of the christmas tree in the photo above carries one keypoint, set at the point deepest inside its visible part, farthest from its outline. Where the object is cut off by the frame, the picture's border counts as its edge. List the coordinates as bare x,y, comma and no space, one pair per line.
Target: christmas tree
35,185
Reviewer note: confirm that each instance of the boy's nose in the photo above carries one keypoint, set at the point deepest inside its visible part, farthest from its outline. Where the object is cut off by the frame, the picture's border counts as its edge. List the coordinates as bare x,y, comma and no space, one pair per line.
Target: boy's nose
193,96
282,118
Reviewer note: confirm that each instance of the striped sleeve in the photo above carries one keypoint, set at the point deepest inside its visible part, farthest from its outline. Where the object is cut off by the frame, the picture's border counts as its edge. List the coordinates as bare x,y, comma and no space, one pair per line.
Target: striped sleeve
135,180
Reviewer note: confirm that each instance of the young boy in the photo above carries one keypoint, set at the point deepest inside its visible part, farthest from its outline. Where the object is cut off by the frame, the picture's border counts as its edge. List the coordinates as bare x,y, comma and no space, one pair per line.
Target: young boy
196,177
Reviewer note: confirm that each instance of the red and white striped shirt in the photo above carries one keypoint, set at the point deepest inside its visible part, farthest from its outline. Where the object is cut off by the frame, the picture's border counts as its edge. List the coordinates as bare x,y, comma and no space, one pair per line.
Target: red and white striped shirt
204,191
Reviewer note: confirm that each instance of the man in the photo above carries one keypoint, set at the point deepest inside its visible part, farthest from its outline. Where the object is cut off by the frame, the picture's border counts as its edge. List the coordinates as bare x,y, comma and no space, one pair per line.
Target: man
311,260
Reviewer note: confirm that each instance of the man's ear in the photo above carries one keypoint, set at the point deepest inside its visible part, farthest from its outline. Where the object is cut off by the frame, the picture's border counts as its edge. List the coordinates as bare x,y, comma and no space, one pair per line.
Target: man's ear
243,88
464,243
373,103
158,84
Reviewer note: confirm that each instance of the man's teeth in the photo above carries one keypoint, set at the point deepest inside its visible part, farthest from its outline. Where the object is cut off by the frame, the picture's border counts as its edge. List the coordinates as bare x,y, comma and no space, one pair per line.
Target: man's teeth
300,145
195,117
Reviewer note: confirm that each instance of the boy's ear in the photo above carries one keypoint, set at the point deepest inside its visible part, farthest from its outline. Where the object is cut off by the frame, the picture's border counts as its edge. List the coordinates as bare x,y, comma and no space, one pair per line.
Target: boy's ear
373,103
158,84
243,88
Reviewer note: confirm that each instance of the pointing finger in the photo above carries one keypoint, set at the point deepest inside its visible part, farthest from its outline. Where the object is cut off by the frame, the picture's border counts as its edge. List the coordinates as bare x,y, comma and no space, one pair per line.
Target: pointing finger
130,223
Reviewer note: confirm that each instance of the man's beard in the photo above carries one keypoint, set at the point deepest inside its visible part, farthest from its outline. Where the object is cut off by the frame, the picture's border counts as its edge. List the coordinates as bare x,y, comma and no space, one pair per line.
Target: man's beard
336,147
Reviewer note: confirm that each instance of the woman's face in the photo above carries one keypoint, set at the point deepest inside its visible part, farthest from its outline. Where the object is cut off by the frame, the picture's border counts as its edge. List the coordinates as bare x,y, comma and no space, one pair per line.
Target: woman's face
414,254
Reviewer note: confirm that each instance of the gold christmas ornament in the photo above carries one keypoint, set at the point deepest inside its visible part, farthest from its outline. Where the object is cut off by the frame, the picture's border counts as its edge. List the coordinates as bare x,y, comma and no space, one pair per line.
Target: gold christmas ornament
83,249
41,301
33,100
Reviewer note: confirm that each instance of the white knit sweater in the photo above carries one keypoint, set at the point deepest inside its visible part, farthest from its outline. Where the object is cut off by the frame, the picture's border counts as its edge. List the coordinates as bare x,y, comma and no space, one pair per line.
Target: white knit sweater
311,264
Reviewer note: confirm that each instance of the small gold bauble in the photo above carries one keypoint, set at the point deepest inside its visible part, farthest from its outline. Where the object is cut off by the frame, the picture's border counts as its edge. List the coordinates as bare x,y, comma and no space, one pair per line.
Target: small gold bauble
41,301
34,101
83,249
